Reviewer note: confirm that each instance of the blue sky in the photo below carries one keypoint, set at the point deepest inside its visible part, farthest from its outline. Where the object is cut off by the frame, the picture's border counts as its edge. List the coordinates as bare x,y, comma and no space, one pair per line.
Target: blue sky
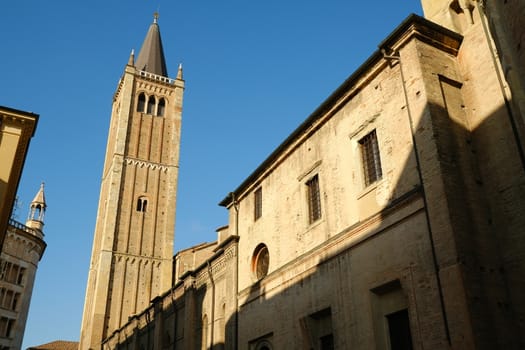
254,71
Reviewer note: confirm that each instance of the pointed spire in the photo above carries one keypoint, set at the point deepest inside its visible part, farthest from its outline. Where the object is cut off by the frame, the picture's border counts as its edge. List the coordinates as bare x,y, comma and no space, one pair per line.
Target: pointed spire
40,197
37,210
179,72
131,60
151,55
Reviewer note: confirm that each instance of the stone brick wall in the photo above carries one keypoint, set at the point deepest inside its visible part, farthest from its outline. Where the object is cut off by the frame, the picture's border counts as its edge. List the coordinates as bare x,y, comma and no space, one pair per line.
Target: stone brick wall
439,236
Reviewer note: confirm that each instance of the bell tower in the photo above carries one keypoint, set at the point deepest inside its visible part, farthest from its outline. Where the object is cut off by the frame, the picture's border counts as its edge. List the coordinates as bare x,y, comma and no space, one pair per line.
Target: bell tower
131,260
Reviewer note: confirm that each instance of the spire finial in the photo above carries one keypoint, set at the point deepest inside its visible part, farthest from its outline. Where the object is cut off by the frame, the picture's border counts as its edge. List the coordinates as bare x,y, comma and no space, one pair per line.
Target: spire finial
179,72
151,55
155,17
131,59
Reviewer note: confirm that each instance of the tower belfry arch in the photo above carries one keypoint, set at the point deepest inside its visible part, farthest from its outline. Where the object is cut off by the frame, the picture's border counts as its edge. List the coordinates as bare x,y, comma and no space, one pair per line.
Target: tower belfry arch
131,261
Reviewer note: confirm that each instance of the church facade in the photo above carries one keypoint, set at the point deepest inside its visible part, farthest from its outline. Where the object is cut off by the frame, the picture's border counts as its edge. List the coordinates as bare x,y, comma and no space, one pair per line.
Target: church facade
389,219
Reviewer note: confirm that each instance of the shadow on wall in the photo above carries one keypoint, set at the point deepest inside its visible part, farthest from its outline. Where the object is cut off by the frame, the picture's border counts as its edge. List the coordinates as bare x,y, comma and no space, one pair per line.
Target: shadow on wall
445,258
441,263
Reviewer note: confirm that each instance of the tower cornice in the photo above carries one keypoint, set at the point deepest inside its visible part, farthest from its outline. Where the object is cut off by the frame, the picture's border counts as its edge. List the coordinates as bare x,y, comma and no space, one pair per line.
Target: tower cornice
148,164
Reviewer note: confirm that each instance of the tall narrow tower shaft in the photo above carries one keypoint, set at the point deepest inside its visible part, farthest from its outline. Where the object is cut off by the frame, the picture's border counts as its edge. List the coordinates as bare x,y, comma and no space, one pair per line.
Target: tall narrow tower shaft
131,261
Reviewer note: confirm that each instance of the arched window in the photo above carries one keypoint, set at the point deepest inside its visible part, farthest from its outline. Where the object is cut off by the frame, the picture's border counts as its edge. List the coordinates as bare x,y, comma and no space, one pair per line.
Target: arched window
151,105
263,345
142,203
161,107
141,103
37,212
461,14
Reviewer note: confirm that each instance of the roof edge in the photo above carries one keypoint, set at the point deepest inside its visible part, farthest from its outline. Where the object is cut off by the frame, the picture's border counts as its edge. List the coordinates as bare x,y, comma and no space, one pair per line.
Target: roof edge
413,26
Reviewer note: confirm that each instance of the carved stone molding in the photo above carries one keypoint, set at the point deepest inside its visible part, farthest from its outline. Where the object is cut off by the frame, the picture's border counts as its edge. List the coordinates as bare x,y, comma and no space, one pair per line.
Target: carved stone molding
146,164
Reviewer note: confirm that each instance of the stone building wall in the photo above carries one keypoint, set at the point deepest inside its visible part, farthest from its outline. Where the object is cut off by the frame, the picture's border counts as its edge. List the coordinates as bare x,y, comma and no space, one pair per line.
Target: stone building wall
189,259
23,248
432,246
132,252
505,21
196,313
16,129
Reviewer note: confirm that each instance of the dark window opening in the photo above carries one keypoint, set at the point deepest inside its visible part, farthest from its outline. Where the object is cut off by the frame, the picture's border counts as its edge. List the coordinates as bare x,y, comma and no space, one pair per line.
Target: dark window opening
370,158
327,342
37,212
161,107
141,103
399,330
142,204
16,298
318,330
21,275
257,203
314,199
6,326
261,344
151,105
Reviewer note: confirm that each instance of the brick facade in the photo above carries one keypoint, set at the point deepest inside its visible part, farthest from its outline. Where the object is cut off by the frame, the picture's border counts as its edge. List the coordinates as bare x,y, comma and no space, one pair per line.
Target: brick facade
432,249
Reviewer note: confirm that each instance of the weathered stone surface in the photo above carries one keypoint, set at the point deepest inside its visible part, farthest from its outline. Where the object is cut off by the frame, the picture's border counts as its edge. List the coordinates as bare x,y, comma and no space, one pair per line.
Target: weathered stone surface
434,247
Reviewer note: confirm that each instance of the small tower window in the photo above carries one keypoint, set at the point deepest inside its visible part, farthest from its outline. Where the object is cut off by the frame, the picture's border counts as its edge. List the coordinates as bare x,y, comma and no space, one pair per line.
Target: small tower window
142,203
151,105
141,103
161,107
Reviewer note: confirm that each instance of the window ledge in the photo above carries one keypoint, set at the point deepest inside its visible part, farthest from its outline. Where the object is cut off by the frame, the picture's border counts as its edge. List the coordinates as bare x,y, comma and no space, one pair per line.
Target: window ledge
314,224
369,188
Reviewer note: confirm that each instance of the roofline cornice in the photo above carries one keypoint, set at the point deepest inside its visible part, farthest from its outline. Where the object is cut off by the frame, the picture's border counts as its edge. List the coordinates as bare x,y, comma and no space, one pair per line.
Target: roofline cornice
413,27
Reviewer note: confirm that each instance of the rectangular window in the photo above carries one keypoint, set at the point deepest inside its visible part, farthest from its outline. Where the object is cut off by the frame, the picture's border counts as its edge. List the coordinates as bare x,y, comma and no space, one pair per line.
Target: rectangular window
6,325
12,276
257,200
21,275
370,158
5,267
3,327
16,299
8,300
314,199
142,204
399,330
327,342
391,317
317,330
